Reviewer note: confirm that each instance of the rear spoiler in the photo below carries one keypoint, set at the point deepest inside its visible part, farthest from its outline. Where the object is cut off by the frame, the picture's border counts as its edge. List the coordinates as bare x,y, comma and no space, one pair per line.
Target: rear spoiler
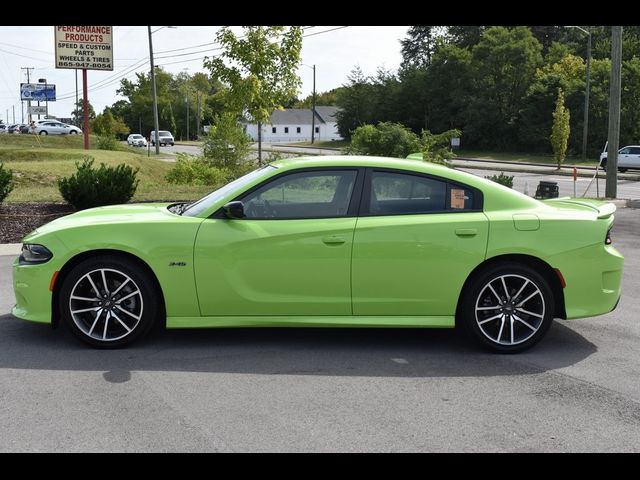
604,209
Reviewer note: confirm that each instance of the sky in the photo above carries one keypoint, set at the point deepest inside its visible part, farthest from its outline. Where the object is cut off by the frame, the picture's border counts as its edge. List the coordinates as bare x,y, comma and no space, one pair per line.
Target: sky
335,53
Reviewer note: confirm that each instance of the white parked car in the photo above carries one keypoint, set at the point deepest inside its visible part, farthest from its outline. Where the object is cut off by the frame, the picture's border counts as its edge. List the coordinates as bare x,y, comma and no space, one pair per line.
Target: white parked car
136,140
628,157
165,138
54,127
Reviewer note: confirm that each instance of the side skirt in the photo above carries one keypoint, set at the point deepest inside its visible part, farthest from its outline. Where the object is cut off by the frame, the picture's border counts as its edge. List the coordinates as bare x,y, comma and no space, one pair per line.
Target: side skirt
320,321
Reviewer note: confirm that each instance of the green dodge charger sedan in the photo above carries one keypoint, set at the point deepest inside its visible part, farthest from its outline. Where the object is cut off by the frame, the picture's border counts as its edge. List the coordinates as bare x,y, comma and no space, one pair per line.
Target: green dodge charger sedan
326,242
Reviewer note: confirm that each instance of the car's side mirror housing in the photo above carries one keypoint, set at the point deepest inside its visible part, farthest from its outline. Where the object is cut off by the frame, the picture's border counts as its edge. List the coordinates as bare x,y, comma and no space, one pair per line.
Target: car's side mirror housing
234,210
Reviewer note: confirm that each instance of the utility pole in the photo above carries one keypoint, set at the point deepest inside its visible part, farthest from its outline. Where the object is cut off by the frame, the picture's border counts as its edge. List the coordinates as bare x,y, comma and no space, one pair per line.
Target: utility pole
614,112
77,108
28,69
313,106
13,107
585,131
155,96
187,99
198,117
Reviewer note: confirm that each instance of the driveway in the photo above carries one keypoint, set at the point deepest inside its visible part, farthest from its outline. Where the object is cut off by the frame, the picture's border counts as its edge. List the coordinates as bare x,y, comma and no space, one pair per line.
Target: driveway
327,390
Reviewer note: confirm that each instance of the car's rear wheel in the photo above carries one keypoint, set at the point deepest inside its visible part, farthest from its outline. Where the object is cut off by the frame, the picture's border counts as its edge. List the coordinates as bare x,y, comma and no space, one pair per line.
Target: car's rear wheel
108,302
507,308
622,170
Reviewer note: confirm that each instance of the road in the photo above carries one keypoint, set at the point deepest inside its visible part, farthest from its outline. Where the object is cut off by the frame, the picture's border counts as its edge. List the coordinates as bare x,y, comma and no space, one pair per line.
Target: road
327,390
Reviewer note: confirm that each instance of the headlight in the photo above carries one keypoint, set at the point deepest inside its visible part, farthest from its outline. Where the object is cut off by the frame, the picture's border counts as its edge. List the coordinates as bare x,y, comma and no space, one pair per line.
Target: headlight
33,254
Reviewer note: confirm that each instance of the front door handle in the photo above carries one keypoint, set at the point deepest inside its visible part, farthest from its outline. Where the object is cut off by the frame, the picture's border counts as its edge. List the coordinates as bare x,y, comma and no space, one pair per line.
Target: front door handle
333,239
466,232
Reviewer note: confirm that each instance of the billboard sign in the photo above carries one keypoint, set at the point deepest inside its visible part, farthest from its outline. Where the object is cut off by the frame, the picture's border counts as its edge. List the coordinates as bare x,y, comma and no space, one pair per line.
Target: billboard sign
88,47
38,92
38,110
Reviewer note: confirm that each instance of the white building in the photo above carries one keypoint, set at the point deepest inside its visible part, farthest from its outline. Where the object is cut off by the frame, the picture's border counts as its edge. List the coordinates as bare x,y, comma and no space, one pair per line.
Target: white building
294,125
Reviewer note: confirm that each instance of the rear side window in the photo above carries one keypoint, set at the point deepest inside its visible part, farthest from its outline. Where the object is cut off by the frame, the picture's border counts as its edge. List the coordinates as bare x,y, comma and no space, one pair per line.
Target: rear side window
401,194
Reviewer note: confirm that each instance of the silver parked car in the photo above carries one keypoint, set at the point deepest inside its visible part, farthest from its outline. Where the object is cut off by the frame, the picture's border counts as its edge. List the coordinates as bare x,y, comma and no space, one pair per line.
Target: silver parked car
54,127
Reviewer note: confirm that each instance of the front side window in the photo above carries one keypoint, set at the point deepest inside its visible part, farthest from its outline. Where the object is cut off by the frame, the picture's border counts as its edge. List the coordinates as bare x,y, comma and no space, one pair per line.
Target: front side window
401,194
310,194
624,151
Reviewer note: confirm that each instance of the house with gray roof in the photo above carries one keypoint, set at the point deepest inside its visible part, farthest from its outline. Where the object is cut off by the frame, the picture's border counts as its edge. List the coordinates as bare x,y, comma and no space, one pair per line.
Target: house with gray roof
294,125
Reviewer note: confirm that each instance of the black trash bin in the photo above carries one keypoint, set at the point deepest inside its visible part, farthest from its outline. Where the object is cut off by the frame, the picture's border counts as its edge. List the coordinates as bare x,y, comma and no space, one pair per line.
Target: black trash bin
547,190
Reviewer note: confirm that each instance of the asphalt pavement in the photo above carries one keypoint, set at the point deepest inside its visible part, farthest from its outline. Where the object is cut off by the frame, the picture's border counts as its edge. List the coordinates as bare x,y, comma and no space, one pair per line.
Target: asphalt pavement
327,390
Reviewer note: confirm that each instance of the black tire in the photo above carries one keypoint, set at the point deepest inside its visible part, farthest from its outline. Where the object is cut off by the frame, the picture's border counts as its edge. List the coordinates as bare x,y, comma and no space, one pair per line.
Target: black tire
73,132
88,325
43,132
495,334
622,170
604,164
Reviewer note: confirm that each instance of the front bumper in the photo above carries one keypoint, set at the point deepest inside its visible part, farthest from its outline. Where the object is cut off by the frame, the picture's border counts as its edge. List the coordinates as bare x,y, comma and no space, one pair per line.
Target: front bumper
31,288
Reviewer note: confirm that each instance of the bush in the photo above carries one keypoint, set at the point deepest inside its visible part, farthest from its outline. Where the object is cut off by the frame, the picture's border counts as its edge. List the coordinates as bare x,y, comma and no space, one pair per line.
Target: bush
90,187
192,170
6,182
386,139
107,142
436,147
502,179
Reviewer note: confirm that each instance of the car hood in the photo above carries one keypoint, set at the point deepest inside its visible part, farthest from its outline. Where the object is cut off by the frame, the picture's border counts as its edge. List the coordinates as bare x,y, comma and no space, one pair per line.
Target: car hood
114,214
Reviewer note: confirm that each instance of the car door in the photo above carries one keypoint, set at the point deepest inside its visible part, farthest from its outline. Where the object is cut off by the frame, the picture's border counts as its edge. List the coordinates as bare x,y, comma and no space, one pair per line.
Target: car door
290,255
416,241
634,157
623,157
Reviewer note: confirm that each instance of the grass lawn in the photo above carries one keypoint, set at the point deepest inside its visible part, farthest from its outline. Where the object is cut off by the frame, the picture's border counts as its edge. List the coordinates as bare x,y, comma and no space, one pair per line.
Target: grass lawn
37,163
523,157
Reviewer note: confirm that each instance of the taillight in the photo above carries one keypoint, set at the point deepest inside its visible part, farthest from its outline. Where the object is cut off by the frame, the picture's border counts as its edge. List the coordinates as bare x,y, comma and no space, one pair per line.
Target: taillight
607,241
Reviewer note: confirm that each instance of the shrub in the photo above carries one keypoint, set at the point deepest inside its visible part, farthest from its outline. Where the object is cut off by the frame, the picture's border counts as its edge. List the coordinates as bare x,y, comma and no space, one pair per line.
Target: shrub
436,147
107,142
193,170
90,187
6,182
386,139
502,179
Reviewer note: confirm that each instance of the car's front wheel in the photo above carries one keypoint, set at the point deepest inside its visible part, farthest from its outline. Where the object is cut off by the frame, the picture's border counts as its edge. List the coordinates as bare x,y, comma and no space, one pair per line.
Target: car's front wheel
44,132
108,302
73,132
507,308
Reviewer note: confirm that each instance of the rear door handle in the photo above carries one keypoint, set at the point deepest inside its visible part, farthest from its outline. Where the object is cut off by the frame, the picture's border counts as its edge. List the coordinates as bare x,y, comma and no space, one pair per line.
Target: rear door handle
333,239
466,232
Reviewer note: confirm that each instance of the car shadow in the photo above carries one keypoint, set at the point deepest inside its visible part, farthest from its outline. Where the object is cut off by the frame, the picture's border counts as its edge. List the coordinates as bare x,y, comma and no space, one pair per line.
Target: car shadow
293,351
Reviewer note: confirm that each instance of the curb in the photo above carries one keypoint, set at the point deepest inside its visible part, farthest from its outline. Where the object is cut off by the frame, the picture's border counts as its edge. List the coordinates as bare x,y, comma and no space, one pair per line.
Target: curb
12,249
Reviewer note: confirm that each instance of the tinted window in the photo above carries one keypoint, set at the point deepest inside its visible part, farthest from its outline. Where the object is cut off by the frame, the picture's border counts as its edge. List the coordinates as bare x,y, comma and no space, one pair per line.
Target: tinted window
624,151
314,194
398,194
634,150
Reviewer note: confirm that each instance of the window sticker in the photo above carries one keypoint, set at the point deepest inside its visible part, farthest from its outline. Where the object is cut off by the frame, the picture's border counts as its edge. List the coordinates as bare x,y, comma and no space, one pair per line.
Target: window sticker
457,198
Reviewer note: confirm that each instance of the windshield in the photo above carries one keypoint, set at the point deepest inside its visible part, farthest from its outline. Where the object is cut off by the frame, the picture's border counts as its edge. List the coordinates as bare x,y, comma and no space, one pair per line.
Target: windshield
165,134
136,136
206,202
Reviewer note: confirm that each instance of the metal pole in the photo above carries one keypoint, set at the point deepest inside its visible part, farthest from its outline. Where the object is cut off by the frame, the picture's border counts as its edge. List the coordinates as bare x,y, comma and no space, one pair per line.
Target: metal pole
313,106
155,97
22,106
46,99
198,117
13,108
85,108
585,130
77,116
259,143
187,117
614,112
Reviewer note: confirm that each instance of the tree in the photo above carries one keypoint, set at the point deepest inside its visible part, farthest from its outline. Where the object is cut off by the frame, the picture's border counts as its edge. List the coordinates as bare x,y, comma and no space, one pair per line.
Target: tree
259,68
419,46
227,145
329,99
560,129
436,148
355,102
77,115
107,124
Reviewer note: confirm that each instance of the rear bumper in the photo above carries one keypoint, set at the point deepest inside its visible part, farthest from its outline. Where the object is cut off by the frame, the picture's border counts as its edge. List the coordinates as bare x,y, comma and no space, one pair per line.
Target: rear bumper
593,276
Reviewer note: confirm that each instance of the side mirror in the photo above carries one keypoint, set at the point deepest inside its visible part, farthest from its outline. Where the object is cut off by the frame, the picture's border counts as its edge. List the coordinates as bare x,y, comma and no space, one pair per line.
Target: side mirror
234,210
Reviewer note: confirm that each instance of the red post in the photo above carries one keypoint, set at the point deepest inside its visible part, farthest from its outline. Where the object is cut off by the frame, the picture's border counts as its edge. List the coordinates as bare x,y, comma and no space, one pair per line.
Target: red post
575,174
85,108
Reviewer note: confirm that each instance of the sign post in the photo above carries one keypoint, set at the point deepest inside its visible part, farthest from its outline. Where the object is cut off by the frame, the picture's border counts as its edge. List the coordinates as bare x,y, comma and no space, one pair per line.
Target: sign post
86,48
